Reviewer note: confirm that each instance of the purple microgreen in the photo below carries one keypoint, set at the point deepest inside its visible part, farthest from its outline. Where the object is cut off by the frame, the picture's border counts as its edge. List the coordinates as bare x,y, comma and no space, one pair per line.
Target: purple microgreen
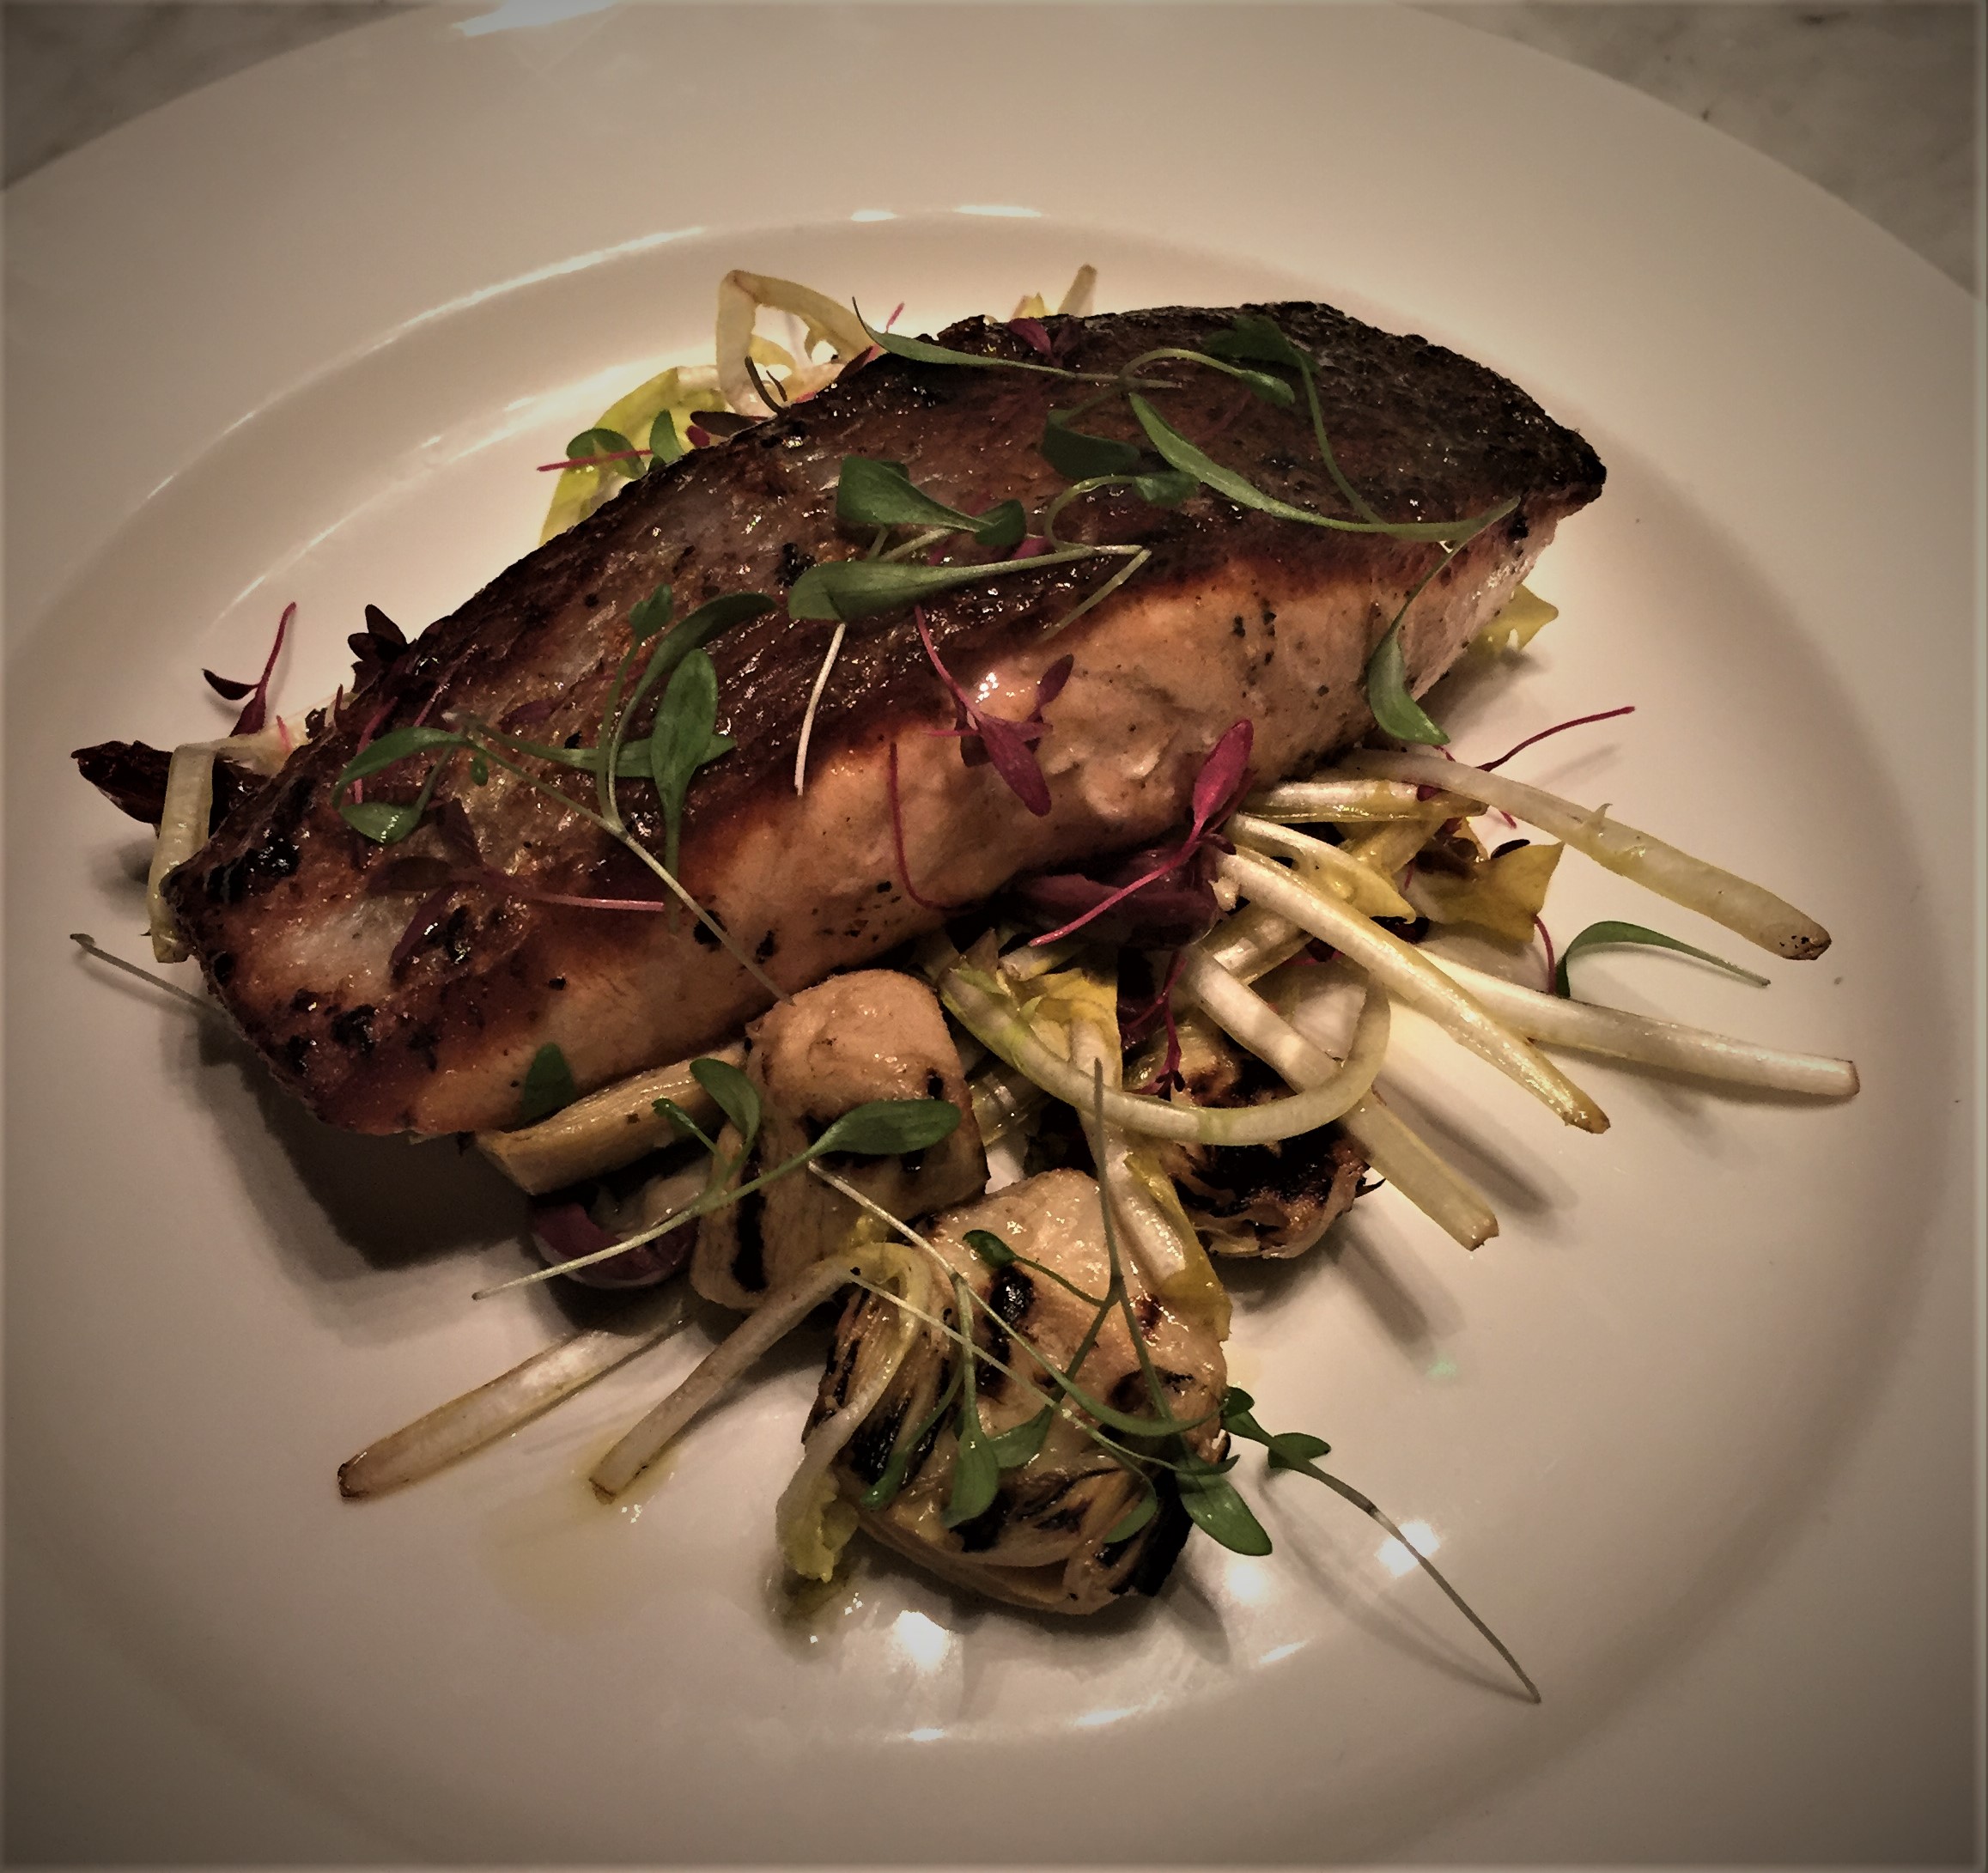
1610,932
1135,1020
564,1232
1578,721
1223,780
1033,333
853,588
682,741
425,922
1545,937
897,840
548,1087
1005,743
256,713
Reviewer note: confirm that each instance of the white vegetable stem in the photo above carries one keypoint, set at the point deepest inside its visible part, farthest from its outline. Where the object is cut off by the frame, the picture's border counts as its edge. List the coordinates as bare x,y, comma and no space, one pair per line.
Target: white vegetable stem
1618,1035
996,1023
777,1315
182,832
1410,975
1347,803
1362,886
1448,1199
1402,1155
1744,908
468,1423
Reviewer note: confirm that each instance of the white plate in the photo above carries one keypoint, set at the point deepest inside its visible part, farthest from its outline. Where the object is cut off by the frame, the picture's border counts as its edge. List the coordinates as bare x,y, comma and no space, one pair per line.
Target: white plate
1694,1432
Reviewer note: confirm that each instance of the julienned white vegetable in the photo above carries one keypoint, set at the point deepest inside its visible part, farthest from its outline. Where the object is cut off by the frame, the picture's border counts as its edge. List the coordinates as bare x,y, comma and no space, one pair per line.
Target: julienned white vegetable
1397,1152
741,296
1349,803
1362,886
988,1011
607,1129
1616,1034
729,1360
468,1423
1407,1159
1742,907
1406,972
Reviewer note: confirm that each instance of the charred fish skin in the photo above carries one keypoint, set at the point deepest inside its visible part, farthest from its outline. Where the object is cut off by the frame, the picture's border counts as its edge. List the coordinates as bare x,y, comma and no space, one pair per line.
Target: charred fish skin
299,923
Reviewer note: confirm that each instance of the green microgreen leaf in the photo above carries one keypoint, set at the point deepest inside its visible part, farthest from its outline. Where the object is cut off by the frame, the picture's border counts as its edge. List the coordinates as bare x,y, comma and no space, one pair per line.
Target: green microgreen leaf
976,1472
990,1248
1077,455
1218,1509
887,1127
733,1093
1388,697
682,741
923,351
379,820
1271,390
1136,1517
1167,489
592,442
1251,335
1293,1449
648,616
886,1487
717,615
479,767
847,589
395,746
870,493
1597,935
1002,526
548,1085
665,444
684,1123
1181,454
1019,1445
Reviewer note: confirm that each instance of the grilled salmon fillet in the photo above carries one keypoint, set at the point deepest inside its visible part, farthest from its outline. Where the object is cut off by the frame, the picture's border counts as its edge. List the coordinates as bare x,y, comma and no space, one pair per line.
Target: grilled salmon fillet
307,931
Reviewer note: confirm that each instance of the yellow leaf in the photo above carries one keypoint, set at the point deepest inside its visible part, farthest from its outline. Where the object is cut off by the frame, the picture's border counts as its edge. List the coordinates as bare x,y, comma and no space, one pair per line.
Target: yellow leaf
1501,895
1524,617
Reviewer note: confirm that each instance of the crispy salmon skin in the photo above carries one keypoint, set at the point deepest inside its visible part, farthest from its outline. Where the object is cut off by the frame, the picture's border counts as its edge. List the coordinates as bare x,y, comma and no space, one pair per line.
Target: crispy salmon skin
408,987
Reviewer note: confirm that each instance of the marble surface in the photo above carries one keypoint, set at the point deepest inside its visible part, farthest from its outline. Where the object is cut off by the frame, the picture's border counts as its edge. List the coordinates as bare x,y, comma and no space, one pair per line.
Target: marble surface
1879,102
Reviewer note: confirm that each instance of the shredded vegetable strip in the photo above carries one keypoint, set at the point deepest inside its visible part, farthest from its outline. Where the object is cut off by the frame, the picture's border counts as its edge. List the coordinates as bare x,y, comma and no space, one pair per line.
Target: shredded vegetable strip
468,1423
723,1367
1410,975
1402,1155
182,832
1349,802
1742,907
997,1023
1365,887
1616,1034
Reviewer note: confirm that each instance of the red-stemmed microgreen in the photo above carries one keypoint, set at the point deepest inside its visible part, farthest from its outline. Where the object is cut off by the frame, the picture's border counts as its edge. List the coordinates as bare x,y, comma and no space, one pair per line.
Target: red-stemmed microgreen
1299,1450
1008,745
1545,937
1612,931
1578,721
255,712
911,890
1136,1021
1223,780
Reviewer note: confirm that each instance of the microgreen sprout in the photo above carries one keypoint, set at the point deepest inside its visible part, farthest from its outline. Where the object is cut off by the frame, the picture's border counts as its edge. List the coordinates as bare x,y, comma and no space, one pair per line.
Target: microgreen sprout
876,1128
89,945
548,1085
1610,932
1299,1450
